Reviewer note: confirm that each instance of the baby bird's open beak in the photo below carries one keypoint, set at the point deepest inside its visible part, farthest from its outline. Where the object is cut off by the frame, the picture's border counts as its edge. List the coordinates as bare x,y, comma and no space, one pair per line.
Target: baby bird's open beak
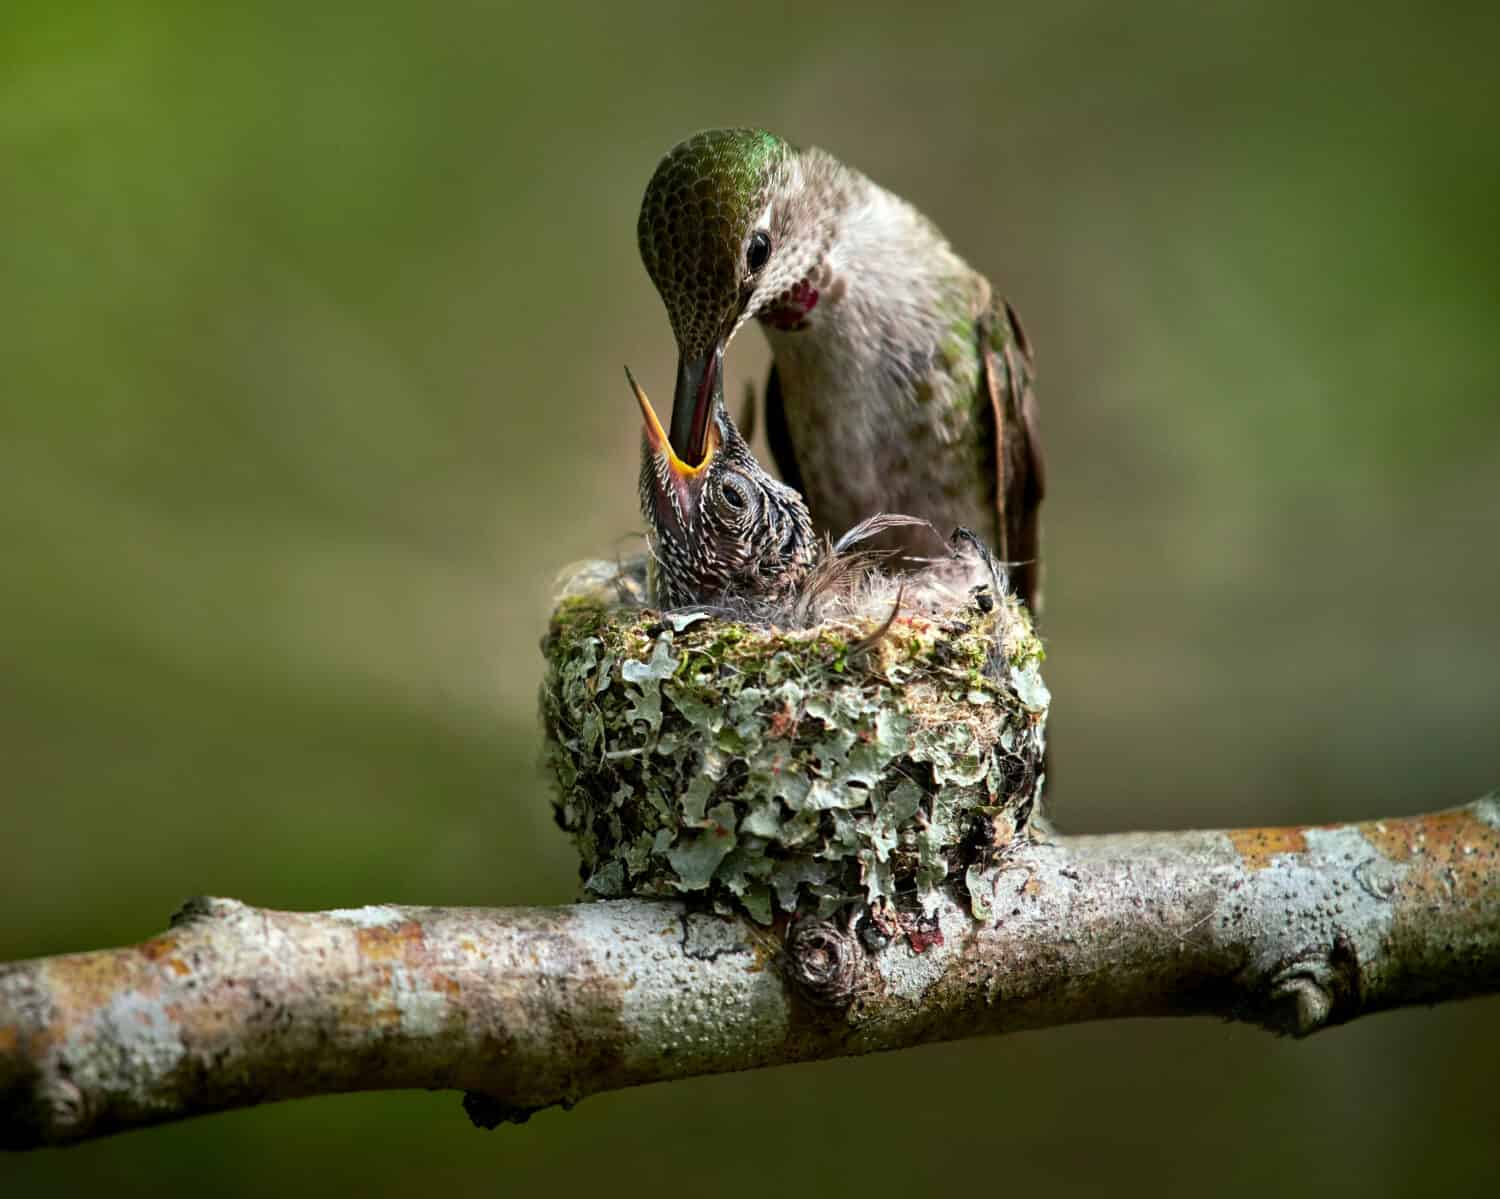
677,487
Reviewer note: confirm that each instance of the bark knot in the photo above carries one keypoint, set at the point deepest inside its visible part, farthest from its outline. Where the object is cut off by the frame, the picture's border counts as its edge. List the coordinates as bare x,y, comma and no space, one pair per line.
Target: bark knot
822,963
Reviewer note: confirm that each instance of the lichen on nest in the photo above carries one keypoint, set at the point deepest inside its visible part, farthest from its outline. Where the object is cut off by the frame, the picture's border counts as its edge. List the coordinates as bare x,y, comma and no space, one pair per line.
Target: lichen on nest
799,771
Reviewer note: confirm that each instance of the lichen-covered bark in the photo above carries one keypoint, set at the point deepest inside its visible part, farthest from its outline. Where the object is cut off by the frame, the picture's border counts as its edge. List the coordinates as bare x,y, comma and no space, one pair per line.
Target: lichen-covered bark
1292,929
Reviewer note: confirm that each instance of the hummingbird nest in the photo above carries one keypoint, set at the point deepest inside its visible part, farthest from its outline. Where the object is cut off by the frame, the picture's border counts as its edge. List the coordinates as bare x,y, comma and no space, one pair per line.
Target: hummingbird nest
862,760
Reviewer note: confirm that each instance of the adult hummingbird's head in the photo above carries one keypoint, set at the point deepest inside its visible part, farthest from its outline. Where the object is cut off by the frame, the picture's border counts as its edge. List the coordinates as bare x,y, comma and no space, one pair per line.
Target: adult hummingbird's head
728,230
723,528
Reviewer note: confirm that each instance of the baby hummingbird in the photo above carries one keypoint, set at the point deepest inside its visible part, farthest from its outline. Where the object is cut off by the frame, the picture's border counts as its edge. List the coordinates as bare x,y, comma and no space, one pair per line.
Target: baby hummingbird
723,529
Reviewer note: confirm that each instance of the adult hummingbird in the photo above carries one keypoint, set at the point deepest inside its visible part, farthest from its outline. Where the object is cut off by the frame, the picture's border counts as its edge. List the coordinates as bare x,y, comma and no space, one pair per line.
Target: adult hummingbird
901,381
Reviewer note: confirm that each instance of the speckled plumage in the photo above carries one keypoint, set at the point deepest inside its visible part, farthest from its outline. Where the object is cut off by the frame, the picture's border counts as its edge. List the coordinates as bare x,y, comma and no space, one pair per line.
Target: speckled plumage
723,531
728,536
901,382
690,232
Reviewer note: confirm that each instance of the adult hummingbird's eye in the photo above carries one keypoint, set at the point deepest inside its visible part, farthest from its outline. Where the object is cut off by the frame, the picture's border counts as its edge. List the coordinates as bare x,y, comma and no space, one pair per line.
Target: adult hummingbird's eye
758,251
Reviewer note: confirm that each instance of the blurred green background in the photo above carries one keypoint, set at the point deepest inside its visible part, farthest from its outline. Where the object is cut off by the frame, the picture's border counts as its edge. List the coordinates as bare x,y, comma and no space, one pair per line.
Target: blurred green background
311,325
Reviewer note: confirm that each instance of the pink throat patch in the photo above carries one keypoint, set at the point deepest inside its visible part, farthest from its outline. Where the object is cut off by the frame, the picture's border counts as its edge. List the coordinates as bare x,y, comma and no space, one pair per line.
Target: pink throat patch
789,310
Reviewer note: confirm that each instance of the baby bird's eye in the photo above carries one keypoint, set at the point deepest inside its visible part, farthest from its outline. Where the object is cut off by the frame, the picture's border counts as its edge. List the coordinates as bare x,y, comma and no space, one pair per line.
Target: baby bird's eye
734,496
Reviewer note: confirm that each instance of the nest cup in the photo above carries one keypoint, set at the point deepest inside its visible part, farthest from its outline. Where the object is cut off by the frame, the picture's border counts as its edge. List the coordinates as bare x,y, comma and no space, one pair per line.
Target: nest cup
795,771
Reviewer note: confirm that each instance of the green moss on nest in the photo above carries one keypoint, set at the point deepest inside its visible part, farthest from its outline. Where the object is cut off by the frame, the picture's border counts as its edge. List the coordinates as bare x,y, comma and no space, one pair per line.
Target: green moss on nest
773,769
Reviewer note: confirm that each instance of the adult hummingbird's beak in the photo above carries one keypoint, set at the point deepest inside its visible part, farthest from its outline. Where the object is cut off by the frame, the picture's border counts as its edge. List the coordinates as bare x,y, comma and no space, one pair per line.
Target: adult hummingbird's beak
700,388
685,482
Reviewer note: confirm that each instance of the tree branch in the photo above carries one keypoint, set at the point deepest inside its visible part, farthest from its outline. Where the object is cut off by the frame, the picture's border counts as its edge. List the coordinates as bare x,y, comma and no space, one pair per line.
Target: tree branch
1293,929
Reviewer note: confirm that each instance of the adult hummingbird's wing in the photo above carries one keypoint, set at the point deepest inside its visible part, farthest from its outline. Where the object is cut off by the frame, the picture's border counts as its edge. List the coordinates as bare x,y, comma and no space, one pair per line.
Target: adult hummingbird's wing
1007,423
779,437
1020,481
